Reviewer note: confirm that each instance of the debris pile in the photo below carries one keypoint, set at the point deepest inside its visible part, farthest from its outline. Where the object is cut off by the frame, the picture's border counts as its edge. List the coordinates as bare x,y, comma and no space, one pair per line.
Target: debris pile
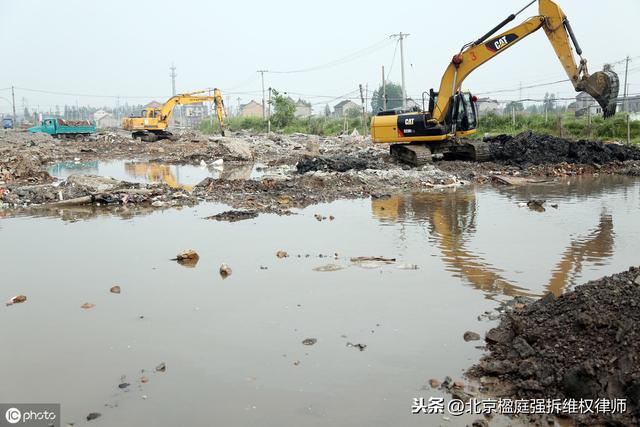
583,344
530,148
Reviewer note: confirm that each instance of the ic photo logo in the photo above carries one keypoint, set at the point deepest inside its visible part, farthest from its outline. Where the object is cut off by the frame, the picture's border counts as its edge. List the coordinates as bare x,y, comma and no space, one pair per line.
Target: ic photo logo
13,415
30,414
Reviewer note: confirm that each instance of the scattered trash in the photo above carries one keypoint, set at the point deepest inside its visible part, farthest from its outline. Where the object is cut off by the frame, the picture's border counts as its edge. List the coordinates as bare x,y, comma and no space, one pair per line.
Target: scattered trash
123,385
319,217
373,258
161,367
16,300
282,254
554,206
115,289
360,347
309,341
218,162
372,261
328,268
408,267
144,380
434,383
233,216
93,416
331,217
536,205
87,305
225,271
296,363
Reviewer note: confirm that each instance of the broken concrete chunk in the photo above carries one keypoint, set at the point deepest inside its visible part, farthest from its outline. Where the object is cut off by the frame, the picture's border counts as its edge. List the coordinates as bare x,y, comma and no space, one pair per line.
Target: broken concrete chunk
87,305
309,341
16,300
282,254
115,289
225,271
233,216
93,416
471,336
190,254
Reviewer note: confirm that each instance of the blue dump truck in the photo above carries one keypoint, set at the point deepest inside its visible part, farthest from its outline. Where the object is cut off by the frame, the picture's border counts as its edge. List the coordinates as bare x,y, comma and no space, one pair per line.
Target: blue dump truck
7,123
65,129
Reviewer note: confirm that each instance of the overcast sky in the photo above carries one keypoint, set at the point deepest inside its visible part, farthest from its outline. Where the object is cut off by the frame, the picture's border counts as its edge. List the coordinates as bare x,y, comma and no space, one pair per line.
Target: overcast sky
125,48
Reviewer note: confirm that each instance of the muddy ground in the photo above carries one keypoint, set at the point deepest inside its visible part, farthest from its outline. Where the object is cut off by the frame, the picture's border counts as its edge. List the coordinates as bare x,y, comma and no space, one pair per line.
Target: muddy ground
581,345
298,170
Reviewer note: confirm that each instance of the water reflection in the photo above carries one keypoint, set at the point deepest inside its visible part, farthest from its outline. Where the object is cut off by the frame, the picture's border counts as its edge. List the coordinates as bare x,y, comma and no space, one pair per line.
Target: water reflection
176,176
595,246
451,219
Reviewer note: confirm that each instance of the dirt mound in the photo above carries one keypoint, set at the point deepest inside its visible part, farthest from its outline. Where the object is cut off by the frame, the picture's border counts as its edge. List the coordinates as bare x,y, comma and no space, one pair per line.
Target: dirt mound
582,345
530,148
21,168
339,163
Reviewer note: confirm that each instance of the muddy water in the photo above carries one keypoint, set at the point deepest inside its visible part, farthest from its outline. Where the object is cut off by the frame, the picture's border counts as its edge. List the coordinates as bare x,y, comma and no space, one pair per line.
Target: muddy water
154,172
233,348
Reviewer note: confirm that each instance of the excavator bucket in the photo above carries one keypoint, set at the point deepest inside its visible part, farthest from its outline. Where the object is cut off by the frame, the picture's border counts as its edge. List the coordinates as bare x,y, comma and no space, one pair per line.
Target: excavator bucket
604,86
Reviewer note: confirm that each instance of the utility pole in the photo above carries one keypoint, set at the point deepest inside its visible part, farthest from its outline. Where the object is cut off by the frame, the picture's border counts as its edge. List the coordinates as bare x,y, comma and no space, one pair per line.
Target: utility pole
402,36
264,110
384,92
364,114
626,73
173,79
13,103
269,119
239,110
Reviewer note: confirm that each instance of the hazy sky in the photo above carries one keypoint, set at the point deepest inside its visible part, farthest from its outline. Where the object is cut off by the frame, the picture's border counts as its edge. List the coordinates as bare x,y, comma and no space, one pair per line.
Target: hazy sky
125,48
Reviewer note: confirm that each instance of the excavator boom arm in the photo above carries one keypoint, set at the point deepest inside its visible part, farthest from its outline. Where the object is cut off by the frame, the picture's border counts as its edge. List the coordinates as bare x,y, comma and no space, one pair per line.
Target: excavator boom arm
603,85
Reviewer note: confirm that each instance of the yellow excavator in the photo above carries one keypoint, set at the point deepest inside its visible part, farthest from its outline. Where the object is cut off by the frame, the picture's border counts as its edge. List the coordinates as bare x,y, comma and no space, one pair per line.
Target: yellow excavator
152,123
421,135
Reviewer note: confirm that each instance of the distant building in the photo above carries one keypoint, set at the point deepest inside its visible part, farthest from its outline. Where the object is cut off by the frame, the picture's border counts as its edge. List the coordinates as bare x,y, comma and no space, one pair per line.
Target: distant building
632,102
488,106
341,108
251,109
154,104
586,104
303,108
104,119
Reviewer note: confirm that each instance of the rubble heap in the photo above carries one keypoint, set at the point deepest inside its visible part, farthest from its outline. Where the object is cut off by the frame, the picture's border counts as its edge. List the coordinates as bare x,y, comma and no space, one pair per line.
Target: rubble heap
582,345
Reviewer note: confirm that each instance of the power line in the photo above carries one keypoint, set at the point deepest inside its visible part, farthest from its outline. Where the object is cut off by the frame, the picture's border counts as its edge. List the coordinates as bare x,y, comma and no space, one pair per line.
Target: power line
345,59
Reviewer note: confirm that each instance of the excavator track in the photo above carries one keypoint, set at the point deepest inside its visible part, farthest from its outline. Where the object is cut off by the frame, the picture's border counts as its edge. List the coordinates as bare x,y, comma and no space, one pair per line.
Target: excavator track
412,154
479,151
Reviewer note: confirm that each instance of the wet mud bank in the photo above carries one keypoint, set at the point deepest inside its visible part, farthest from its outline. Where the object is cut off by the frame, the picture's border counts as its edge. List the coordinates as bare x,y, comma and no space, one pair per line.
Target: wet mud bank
295,170
583,344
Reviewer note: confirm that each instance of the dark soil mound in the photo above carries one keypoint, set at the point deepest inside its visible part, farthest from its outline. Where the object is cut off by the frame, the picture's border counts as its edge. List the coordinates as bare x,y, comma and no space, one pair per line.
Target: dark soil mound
530,148
339,163
583,344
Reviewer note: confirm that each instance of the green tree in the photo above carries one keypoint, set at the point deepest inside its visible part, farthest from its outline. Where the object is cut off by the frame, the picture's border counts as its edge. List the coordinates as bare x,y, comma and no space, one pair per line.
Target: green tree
514,105
284,109
353,113
393,94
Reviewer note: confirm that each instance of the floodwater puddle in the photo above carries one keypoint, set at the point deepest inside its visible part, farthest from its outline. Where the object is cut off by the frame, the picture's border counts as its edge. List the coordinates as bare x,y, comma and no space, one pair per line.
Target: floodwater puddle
176,176
231,349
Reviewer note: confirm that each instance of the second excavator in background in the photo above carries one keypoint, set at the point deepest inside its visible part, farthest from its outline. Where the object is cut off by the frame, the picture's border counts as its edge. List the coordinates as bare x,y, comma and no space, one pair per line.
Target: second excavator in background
419,136
152,123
